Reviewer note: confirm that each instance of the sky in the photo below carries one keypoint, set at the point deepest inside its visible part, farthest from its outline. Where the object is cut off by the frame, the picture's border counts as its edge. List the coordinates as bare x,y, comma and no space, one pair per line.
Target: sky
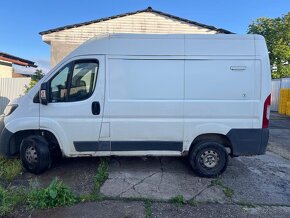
22,20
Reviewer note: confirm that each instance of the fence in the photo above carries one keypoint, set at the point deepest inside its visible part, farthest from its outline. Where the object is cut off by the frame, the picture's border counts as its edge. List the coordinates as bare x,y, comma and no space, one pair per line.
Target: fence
278,84
11,88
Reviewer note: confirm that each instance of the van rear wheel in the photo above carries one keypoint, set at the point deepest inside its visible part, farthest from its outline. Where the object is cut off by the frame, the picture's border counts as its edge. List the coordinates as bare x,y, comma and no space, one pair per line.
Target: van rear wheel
208,159
35,154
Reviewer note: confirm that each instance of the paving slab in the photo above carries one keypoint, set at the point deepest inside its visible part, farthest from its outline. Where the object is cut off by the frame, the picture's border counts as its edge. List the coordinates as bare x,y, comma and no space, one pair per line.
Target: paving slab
261,179
157,178
104,209
278,121
279,142
216,210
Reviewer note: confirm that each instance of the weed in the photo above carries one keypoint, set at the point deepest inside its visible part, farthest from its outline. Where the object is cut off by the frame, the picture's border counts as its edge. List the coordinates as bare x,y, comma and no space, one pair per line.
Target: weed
87,197
216,182
9,168
148,210
192,203
227,191
178,200
5,202
9,199
102,174
247,205
56,194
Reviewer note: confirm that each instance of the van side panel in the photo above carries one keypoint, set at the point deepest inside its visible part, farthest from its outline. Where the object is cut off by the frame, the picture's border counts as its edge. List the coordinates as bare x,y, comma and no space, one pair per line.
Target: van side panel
220,95
145,101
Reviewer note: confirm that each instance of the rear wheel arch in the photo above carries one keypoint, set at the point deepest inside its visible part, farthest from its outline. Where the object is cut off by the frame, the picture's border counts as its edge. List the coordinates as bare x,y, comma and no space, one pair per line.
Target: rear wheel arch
213,137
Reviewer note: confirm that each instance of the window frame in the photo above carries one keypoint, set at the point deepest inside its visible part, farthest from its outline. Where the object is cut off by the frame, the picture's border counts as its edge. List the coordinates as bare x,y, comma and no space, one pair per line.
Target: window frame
71,66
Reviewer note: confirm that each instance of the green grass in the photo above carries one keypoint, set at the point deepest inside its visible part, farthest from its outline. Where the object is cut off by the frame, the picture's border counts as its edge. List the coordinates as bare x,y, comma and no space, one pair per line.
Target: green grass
6,205
56,194
9,168
101,175
192,203
216,182
227,191
148,210
10,199
178,200
99,179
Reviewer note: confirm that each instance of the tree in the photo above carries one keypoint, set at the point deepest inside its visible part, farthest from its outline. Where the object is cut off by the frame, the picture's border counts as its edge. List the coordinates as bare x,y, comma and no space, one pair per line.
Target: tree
38,74
277,34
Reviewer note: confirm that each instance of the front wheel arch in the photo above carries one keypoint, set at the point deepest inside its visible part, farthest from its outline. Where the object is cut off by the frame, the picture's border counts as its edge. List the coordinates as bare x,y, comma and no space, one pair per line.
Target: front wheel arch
17,138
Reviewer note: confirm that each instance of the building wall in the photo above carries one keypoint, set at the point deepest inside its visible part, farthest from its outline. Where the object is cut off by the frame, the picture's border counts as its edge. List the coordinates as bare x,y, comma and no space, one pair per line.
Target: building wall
59,49
64,41
5,69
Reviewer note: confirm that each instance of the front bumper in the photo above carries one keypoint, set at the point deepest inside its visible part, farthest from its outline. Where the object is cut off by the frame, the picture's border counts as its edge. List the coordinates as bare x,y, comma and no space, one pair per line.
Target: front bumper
5,136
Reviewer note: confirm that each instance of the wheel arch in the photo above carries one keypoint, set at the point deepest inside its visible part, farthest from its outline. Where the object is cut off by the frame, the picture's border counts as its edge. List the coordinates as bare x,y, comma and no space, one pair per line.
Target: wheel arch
18,136
216,137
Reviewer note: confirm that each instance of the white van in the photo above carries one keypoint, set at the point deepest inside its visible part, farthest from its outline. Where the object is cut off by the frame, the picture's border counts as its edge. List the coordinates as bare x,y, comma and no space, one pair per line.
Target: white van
201,96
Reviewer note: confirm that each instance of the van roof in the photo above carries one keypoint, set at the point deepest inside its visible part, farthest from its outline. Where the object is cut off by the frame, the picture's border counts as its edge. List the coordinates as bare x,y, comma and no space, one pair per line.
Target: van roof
178,36
169,44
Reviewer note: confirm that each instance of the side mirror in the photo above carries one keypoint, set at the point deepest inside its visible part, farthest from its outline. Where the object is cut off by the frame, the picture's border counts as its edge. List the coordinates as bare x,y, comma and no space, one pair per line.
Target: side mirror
44,94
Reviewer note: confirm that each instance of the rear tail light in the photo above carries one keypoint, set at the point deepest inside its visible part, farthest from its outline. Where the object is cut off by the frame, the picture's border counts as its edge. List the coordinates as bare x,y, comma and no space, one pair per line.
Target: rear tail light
266,113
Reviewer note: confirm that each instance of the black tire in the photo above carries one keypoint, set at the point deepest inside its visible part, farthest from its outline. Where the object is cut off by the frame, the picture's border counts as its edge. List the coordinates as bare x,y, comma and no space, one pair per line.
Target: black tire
34,154
208,159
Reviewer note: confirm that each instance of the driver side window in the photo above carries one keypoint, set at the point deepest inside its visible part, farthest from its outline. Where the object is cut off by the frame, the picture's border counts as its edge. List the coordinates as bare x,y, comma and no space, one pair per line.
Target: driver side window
75,82
59,86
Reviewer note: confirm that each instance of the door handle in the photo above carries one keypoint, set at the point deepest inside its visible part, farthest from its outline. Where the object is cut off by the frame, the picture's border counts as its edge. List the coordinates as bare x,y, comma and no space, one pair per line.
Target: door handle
238,67
96,108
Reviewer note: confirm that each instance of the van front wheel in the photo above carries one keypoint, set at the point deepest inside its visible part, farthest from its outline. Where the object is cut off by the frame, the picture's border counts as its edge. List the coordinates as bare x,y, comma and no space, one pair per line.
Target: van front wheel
208,159
34,154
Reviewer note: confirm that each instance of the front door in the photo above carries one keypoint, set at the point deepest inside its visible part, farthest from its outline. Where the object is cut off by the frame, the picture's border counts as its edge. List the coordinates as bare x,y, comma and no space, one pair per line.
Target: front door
75,108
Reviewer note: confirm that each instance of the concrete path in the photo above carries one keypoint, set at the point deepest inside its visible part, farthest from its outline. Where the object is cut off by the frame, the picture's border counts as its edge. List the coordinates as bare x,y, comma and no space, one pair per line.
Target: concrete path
252,179
279,141
250,187
260,188
136,209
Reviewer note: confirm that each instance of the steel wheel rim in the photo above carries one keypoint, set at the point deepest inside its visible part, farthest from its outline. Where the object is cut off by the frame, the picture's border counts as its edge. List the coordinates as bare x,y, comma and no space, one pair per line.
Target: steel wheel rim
31,155
209,159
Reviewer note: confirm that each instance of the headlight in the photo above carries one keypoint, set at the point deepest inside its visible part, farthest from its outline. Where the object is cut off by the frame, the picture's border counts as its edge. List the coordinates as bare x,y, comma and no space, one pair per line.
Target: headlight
10,108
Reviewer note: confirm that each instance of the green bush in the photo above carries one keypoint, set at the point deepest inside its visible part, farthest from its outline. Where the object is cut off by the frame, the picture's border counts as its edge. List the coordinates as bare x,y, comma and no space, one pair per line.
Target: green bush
56,194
